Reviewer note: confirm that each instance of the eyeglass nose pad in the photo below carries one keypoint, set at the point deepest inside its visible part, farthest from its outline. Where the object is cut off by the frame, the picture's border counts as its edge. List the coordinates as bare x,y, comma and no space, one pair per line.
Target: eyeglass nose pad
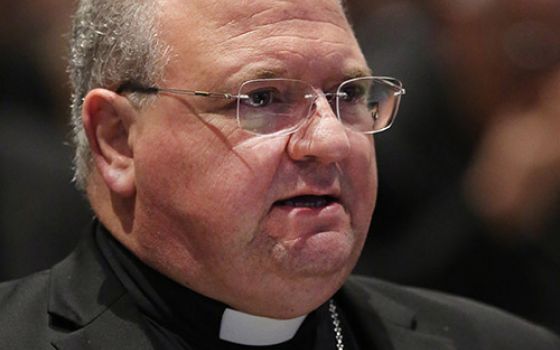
312,98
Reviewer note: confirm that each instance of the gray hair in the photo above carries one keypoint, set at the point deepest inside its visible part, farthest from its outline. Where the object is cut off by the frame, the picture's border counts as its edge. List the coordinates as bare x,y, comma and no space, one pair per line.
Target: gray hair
113,41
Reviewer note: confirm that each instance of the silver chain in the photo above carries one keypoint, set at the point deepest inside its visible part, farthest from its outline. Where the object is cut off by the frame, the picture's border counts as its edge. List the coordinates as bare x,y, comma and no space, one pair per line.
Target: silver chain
336,324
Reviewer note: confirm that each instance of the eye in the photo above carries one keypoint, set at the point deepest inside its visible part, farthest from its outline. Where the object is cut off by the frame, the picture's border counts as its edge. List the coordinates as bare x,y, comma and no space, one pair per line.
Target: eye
352,92
261,98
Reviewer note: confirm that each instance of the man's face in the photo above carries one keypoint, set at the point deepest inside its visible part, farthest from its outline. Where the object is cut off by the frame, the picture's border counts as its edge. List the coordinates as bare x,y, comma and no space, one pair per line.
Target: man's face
267,224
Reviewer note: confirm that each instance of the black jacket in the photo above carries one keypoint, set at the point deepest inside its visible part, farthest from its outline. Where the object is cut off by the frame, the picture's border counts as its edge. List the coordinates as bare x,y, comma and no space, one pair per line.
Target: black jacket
80,304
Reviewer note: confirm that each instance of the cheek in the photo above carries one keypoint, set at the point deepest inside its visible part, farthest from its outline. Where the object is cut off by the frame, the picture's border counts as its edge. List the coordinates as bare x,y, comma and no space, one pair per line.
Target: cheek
362,176
217,190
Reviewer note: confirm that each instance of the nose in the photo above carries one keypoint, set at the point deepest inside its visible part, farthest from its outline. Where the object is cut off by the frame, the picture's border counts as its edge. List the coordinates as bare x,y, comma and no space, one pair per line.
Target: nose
323,138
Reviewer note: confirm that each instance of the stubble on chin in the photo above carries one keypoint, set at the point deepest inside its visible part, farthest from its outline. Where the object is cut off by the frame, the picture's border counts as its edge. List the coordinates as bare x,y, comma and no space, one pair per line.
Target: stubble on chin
321,255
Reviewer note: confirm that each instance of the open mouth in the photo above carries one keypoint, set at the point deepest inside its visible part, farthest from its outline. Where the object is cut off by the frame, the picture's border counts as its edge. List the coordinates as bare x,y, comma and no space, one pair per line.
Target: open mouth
308,201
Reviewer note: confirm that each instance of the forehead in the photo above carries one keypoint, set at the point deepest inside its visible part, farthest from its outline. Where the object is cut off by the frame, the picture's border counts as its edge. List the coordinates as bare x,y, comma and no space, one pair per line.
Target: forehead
228,41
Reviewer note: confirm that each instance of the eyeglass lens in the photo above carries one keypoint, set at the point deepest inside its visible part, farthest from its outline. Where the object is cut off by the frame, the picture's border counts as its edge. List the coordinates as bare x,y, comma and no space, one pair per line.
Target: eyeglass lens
270,105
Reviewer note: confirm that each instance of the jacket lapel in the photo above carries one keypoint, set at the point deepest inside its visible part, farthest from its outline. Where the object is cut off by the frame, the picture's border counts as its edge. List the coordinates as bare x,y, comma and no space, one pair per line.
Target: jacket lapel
88,306
382,323
117,328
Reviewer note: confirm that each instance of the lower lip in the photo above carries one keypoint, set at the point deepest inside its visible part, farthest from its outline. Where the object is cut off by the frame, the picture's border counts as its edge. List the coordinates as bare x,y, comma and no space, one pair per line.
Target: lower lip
289,223
332,208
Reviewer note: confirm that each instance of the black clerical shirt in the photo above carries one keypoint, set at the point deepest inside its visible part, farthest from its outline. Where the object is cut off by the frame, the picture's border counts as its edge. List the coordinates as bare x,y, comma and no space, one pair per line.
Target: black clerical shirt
178,318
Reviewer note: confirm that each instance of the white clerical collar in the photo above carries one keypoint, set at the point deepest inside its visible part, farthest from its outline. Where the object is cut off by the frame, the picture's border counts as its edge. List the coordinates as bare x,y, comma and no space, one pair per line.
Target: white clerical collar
241,328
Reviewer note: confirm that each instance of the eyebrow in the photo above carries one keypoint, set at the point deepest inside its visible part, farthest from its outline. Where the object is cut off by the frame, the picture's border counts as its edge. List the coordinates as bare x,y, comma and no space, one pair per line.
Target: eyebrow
357,73
251,74
282,72
269,73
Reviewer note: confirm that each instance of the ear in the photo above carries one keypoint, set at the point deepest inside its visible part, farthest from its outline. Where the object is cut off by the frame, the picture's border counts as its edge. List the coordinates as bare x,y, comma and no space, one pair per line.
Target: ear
107,118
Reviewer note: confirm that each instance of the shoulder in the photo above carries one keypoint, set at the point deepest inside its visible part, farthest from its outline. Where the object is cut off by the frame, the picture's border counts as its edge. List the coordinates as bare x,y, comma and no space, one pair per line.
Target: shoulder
23,311
464,320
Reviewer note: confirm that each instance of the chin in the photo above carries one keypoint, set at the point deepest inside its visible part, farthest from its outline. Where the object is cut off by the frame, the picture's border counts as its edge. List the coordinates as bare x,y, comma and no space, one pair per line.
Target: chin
322,255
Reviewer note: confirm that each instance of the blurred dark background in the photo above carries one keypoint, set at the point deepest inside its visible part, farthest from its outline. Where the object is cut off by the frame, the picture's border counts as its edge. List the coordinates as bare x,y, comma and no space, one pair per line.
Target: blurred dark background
41,215
469,192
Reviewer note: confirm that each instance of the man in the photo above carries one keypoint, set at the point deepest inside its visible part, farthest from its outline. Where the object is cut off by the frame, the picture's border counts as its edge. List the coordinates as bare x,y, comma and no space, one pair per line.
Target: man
226,150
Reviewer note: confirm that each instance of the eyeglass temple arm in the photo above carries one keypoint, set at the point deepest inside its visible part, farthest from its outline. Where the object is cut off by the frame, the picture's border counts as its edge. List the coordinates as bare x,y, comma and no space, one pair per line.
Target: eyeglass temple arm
130,86
135,87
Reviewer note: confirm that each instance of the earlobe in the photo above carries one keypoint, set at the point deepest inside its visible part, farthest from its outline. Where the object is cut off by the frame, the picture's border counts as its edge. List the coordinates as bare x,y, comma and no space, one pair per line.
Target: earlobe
107,118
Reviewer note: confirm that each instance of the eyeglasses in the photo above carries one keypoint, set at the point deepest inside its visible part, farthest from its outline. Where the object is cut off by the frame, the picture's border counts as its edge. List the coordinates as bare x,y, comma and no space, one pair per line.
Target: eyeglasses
269,106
